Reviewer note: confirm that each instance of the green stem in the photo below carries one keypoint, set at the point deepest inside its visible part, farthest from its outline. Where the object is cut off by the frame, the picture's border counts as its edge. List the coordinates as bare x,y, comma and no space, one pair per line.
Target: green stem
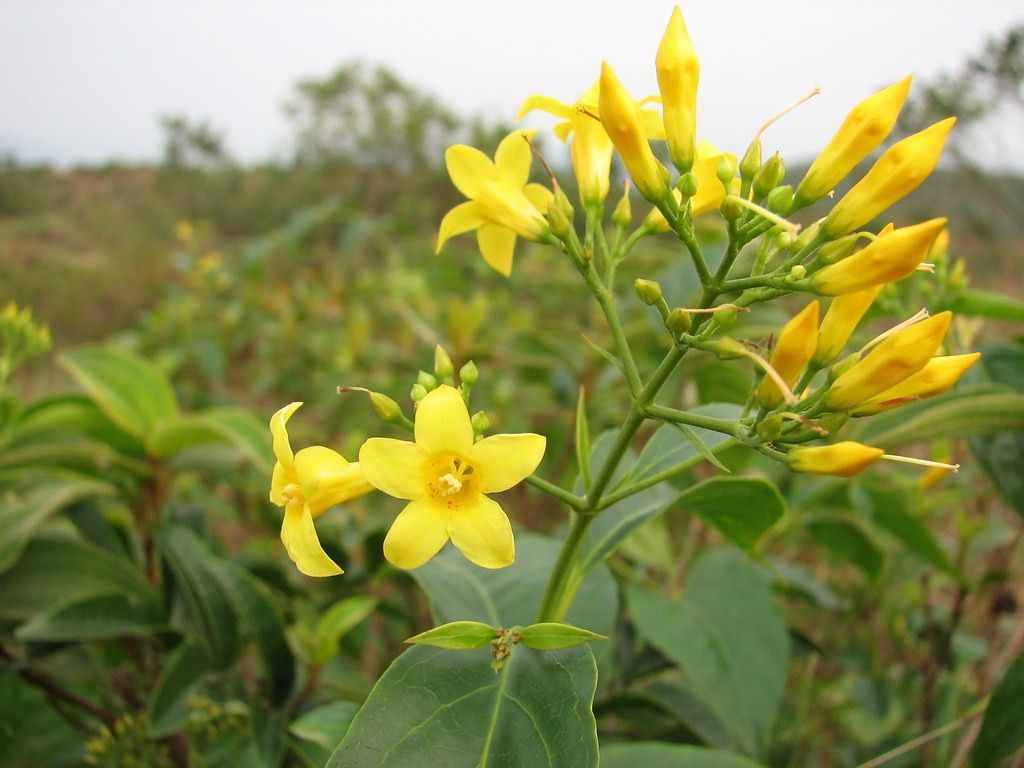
725,426
557,594
557,491
606,300
773,280
686,234
730,255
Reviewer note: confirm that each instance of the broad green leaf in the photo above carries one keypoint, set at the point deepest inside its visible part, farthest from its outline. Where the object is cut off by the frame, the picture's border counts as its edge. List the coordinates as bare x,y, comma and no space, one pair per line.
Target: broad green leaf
231,426
440,708
998,306
667,447
64,415
974,410
615,523
56,568
740,508
729,639
889,509
22,515
796,580
456,636
582,441
131,391
658,755
209,612
32,733
679,701
338,621
1001,454
846,539
183,670
1002,730
78,455
551,636
1005,364
95,618
325,726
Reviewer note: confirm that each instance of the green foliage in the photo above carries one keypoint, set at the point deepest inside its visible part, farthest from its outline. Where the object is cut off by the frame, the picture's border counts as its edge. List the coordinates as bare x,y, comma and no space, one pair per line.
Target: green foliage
1002,730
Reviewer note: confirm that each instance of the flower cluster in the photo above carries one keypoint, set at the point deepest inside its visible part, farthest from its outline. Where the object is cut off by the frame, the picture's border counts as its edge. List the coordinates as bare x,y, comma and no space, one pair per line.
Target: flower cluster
807,390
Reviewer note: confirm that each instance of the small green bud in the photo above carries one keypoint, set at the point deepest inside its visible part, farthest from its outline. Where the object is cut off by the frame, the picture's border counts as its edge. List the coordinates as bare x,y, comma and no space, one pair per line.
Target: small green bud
798,272
726,170
687,185
731,209
443,367
468,374
385,407
727,348
806,237
833,422
560,213
622,216
426,380
648,290
481,422
678,321
839,249
771,427
780,200
417,393
784,239
770,176
838,369
751,162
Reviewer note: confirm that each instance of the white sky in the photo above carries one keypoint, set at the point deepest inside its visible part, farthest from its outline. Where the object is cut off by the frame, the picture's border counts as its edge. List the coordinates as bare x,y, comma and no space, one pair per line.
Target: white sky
86,80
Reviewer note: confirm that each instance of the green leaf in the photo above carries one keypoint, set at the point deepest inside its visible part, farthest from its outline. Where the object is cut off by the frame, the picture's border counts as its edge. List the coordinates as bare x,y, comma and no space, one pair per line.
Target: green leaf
32,733
1001,454
551,636
1002,730
22,515
975,410
659,755
95,618
436,708
456,636
667,447
679,701
134,394
583,439
57,417
183,670
847,540
998,306
729,639
889,509
616,522
209,612
338,621
325,726
231,426
740,508
56,569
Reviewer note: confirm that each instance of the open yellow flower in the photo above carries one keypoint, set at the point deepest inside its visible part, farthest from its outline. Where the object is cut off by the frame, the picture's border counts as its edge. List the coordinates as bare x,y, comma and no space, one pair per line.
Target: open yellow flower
307,484
501,202
591,149
445,477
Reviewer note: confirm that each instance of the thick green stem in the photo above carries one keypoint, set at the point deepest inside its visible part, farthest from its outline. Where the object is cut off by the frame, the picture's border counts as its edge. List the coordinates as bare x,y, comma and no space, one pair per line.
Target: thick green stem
560,588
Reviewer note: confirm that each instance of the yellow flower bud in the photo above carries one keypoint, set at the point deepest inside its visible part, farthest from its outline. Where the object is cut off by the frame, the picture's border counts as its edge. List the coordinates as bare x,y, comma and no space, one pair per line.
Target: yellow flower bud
840,322
678,75
937,376
897,173
844,459
621,120
622,216
794,348
901,355
862,131
893,255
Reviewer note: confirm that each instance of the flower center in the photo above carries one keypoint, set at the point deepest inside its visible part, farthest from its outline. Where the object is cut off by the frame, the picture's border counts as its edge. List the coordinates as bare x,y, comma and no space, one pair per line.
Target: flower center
292,492
450,478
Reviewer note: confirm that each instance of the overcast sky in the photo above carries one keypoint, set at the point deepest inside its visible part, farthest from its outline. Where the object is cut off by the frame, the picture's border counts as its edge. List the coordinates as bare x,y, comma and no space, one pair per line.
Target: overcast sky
86,80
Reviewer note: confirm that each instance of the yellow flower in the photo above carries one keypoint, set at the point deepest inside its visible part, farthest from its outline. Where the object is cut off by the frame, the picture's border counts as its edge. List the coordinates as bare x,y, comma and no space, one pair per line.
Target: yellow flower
184,230
796,344
899,356
710,191
840,322
307,484
897,173
844,459
862,131
622,121
891,256
501,202
937,376
591,149
445,475
678,75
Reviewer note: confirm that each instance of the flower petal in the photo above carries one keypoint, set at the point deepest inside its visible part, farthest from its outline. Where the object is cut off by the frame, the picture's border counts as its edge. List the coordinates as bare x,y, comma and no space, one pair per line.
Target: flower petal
418,533
539,196
652,124
482,533
563,130
327,479
278,480
462,218
302,544
545,104
279,431
467,167
394,466
442,423
513,158
506,460
497,246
